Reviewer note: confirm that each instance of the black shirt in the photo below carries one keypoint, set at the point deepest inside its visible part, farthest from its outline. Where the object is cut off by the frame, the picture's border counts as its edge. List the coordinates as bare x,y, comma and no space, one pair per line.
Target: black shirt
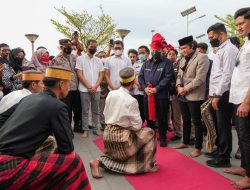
35,118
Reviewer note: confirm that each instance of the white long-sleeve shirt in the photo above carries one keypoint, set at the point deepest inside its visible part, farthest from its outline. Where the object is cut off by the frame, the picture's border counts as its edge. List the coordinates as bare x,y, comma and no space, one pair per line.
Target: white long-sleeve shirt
122,109
241,75
13,98
222,69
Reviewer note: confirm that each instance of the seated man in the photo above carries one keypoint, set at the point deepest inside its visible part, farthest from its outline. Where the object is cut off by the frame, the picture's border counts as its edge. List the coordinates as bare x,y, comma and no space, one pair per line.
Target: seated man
32,82
129,148
35,118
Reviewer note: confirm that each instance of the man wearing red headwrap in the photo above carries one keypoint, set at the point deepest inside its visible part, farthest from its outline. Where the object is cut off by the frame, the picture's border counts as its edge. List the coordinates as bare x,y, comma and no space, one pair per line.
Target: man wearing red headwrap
155,77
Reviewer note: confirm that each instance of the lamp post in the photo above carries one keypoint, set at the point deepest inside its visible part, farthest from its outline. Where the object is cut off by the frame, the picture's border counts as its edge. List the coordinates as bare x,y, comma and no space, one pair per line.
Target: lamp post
32,38
152,31
200,36
197,18
122,33
188,12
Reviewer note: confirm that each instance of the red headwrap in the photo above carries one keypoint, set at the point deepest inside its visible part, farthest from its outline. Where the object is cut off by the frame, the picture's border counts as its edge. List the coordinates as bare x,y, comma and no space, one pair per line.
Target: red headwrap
169,47
157,41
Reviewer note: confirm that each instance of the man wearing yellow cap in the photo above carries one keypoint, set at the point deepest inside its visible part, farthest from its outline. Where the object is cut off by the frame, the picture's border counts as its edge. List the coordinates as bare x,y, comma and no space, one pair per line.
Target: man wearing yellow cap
129,148
35,118
32,82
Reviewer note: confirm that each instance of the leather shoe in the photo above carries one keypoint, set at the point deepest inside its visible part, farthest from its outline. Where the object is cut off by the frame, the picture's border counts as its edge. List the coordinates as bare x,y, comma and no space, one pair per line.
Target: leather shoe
219,163
211,154
163,143
175,138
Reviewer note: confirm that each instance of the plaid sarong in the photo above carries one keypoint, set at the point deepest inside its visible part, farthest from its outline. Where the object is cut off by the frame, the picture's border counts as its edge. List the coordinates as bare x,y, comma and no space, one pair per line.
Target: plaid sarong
208,119
127,151
55,171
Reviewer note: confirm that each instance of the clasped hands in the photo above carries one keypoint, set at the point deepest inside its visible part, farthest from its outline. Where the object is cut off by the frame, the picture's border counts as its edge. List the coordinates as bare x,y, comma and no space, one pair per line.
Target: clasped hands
181,91
150,91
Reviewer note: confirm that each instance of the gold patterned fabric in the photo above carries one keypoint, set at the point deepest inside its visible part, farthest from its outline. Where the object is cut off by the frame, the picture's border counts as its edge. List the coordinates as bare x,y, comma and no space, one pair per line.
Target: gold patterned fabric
127,151
207,117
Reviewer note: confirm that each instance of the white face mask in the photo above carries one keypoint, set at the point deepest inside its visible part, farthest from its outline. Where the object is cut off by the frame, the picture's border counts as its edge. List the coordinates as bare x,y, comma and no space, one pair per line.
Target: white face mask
74,52
118,52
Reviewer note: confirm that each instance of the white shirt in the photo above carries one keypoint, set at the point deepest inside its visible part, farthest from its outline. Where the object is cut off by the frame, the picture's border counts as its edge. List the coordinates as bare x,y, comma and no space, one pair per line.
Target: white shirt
91,67
13,98
137,68
241,75
222,69
114,64
122,109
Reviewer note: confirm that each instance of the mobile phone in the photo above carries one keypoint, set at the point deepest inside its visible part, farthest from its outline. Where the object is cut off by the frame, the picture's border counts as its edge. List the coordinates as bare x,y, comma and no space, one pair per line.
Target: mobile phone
111,42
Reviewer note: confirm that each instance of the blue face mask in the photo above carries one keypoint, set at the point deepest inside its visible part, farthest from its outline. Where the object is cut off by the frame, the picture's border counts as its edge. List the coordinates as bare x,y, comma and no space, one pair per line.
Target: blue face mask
142,57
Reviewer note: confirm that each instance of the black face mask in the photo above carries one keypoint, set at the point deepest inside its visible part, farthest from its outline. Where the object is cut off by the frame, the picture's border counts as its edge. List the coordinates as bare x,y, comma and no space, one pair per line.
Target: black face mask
67,50
215,43
156,55
19,60
92,51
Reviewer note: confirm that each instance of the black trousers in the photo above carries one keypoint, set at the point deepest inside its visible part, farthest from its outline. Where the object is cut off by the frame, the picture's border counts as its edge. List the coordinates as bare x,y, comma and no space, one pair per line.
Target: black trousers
73,102
161,108
223,118
139,99
243,125
191,112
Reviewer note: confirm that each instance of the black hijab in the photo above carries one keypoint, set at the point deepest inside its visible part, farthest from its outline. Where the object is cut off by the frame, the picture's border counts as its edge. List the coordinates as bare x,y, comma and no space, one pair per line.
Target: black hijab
15,63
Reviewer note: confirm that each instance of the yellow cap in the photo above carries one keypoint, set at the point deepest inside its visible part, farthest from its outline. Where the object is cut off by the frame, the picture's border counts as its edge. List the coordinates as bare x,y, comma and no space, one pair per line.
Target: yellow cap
58,72
32,75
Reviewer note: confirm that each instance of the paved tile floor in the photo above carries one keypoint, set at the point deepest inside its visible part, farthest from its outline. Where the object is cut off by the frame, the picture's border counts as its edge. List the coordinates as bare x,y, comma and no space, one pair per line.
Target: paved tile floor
111,181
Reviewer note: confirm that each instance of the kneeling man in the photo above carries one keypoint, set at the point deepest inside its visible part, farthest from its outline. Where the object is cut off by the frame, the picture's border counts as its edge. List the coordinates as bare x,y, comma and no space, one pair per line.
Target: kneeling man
129,148
35,118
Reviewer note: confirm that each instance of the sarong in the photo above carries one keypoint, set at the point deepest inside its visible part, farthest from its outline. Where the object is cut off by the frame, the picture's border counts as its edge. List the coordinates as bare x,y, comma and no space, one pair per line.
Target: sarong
127,151
56,171
208,119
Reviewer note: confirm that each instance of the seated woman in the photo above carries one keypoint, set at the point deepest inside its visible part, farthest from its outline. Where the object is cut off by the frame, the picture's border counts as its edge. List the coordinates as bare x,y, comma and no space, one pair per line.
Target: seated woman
129,148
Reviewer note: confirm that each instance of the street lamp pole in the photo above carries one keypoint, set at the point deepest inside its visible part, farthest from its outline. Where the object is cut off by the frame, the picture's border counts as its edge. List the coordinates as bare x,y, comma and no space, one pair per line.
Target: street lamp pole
200,36
152,31
122,33
188,12
32,38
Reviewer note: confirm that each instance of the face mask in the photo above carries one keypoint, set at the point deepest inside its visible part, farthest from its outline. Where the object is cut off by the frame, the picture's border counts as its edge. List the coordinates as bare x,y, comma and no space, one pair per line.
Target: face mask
74,52
19,60
156,55
142,57
92,51
215,43
45,59
118,52
67,50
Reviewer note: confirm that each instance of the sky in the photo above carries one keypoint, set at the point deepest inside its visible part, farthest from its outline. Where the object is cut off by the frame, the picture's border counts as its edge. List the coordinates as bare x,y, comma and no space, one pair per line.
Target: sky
139,16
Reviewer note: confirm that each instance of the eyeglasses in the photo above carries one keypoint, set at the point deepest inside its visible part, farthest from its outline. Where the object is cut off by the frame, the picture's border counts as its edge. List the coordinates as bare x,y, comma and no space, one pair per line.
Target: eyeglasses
118,48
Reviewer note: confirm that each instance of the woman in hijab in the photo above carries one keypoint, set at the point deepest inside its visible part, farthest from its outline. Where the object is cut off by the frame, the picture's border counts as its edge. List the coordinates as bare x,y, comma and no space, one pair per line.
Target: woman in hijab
12,72
40,60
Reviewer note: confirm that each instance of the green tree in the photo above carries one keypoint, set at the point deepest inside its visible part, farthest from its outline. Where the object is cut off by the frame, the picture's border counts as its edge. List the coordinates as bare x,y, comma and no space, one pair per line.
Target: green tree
230,24
101,28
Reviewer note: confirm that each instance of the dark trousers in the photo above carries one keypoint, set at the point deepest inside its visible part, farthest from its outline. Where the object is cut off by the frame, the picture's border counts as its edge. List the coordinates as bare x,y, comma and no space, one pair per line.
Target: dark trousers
139,99
161,108
73,102
224,126
191,113
243,125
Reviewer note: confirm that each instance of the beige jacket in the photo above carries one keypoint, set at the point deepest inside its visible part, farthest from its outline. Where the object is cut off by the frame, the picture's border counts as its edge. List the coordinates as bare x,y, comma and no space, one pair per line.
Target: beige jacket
194,77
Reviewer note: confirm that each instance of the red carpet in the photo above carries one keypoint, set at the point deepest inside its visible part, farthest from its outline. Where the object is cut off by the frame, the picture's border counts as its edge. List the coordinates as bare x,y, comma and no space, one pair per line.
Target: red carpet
177,172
